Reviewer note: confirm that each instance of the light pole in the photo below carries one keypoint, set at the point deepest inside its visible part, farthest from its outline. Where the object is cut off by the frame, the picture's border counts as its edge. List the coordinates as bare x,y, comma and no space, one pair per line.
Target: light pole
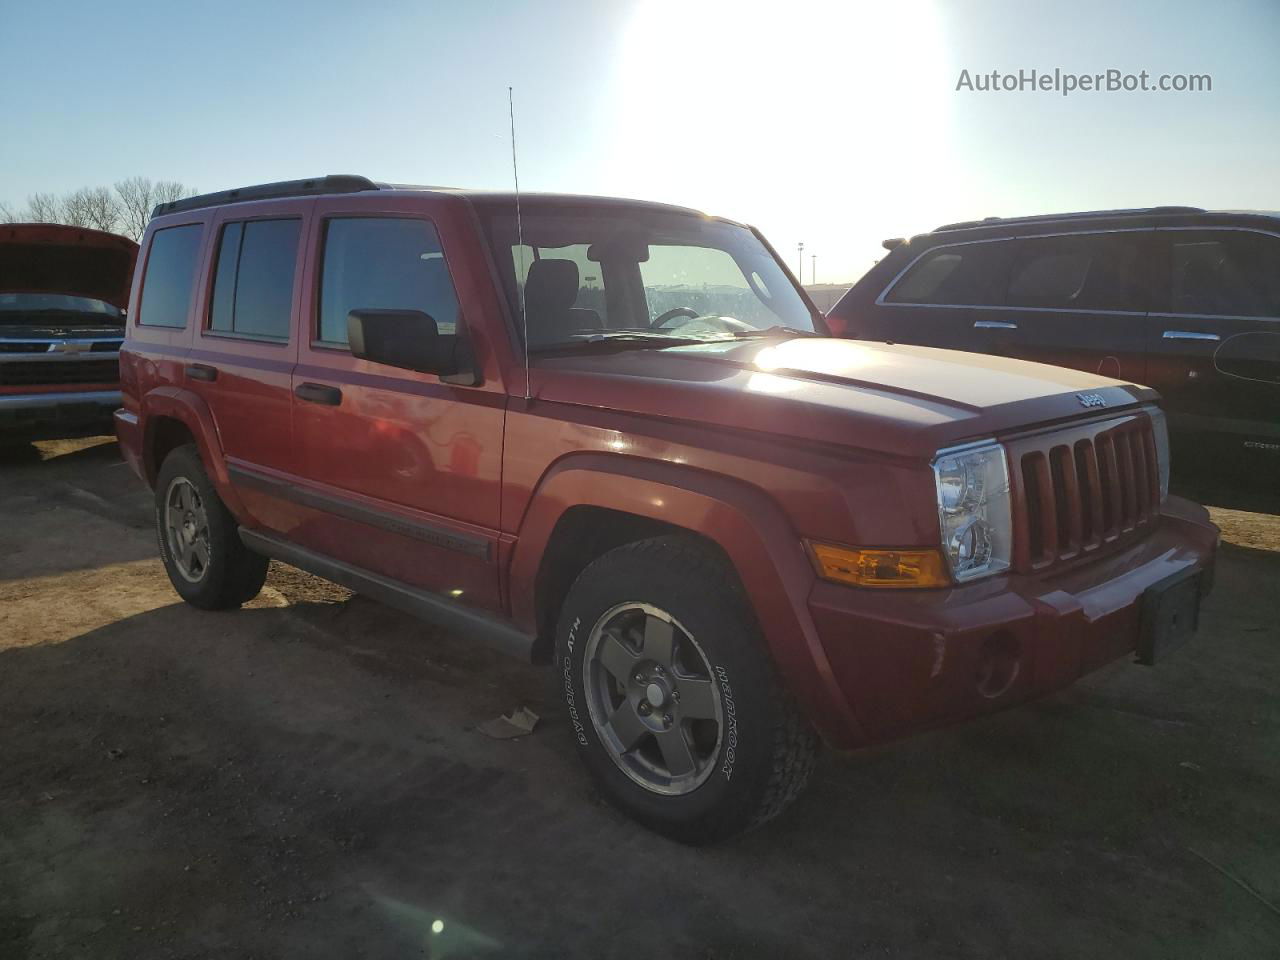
800,275
813,273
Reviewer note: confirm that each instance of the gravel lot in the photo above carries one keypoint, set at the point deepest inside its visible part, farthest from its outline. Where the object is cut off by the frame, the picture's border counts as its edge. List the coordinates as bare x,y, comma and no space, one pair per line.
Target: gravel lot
303,778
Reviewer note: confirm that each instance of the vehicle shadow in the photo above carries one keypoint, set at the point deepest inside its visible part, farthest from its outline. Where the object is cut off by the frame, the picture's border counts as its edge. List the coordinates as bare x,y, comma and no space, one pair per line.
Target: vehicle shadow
308,780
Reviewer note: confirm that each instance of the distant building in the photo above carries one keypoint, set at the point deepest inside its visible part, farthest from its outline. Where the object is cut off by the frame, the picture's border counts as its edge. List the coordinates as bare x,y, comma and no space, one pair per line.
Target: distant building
825,295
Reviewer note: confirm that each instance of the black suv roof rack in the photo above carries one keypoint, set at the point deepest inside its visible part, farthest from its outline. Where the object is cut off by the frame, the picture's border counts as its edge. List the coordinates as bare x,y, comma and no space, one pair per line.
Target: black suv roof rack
1078,215
333,183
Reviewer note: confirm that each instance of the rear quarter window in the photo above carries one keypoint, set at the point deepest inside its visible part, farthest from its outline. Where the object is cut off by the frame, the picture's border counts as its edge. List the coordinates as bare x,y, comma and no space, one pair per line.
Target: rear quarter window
170,276
965,274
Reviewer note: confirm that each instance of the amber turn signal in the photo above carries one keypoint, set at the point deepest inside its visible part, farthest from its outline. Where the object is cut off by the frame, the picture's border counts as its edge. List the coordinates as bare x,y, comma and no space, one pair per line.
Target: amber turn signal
880,568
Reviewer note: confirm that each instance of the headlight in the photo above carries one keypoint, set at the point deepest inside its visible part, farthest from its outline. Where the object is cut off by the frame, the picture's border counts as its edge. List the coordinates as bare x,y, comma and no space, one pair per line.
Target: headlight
1160,428
973,509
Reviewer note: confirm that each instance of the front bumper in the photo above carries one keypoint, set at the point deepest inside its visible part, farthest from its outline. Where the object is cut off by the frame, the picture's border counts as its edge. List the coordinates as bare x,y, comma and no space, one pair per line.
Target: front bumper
906,661
54,415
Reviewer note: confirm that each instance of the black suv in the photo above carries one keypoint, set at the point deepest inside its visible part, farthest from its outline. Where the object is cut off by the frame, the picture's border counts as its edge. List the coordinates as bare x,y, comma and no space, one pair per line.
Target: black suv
1180,298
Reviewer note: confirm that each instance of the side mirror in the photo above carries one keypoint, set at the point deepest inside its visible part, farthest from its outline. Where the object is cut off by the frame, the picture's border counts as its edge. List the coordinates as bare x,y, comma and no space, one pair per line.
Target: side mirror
408,339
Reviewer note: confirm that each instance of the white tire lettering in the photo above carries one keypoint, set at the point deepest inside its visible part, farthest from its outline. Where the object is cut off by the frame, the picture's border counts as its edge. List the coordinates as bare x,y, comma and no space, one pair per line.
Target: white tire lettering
731,723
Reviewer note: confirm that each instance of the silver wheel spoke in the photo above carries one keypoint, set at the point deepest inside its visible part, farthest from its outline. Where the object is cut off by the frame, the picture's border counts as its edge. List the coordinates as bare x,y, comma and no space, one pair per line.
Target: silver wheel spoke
675,751
616,658
200,550
659,635
697,699
627,726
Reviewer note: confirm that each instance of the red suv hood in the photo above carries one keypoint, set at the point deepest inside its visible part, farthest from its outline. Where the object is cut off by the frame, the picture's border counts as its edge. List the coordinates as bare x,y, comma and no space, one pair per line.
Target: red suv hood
885,397
50,258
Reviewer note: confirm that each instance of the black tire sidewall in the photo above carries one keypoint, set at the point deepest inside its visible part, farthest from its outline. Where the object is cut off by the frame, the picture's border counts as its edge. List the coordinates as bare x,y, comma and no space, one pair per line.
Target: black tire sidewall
211,591
692,586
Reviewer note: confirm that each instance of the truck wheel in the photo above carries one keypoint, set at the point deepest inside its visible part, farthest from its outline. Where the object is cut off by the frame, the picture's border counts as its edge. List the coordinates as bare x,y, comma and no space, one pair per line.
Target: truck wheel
199,540
672,697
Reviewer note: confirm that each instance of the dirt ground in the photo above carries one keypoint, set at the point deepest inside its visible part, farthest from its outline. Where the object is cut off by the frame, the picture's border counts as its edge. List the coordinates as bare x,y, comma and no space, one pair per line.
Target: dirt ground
303,778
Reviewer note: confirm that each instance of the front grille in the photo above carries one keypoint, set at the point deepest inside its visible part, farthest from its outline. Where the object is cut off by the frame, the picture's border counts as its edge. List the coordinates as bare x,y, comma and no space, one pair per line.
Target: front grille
1084,490
32,373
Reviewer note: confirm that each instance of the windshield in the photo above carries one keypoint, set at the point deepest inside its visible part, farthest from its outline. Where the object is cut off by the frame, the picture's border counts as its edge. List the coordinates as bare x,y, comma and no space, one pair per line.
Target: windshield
640,276
41,307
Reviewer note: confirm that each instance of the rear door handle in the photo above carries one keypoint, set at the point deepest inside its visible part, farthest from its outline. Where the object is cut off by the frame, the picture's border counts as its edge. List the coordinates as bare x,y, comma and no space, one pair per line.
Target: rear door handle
318,393
201,371
995,325
1190,335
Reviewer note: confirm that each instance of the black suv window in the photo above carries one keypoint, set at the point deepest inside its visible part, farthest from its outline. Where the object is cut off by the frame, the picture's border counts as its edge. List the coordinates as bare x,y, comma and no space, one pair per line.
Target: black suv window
1100,271
383,263
170,276
964,274
1232,273
253,286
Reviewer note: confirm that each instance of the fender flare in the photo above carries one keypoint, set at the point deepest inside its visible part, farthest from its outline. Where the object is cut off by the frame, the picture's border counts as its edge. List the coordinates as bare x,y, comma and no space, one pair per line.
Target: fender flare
192,411
748,526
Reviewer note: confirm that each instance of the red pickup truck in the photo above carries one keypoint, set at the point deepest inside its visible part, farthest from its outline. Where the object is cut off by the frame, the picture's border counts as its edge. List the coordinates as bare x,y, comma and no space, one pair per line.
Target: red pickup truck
63,291
615,437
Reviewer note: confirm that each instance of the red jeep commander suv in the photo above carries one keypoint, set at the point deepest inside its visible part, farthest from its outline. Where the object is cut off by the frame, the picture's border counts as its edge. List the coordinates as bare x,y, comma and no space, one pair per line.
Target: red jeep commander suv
615,437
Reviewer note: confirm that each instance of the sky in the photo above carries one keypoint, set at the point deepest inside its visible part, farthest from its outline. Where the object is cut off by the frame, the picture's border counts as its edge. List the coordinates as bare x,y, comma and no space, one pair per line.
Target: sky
833,123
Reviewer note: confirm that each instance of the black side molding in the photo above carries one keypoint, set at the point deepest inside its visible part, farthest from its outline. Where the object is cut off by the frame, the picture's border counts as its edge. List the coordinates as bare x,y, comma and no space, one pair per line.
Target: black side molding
494,632
339,506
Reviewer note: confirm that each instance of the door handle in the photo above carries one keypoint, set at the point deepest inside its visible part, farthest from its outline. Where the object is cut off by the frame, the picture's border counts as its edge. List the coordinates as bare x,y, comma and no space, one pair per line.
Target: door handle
1190,335
318,393
201,371
995,325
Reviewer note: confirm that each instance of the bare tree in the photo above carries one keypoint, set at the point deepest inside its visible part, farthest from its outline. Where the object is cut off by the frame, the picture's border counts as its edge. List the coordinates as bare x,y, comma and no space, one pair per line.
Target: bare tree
138,197
43,208
126,210
93,207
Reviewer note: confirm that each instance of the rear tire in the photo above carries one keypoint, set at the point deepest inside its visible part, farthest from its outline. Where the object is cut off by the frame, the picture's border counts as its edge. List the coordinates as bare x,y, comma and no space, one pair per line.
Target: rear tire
199,539
672,697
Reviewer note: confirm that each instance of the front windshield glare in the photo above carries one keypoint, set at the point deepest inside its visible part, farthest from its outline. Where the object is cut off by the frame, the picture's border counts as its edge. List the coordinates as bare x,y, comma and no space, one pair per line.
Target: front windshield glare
40,305
623,272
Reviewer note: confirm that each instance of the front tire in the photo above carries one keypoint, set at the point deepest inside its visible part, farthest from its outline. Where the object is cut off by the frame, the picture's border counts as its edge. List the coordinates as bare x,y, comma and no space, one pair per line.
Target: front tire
199,539
672,697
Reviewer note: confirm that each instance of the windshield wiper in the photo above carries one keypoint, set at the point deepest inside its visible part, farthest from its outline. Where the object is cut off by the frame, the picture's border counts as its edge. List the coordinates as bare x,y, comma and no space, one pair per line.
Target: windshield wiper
778,330
620,338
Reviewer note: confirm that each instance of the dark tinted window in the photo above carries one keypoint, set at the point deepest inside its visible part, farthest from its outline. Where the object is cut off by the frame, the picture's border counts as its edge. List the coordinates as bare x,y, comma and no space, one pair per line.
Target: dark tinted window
253,286
968,274
1227,273
170,276
1100,271
392,264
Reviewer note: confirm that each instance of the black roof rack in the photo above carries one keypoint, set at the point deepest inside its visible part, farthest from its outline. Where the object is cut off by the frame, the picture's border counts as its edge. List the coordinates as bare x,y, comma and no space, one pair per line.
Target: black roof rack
1079,215
334,183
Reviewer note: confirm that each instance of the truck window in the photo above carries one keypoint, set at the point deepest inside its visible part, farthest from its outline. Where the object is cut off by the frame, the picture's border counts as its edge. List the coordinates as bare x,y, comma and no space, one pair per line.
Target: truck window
1084,272
965,274
391,263
1231,273
253,285
599,270
170,276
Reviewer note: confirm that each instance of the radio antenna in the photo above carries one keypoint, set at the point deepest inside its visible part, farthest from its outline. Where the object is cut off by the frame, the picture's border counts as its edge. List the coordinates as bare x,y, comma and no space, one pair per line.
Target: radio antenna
515,172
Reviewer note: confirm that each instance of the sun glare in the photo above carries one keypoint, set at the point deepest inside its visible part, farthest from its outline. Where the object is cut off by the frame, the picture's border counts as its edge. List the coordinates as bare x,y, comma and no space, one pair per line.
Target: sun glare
811,113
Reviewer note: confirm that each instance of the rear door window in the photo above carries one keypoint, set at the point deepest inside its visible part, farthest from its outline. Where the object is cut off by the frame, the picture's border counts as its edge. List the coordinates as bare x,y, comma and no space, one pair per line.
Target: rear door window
1101,271
966,274
170,276
383,263
1231,273
253,285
